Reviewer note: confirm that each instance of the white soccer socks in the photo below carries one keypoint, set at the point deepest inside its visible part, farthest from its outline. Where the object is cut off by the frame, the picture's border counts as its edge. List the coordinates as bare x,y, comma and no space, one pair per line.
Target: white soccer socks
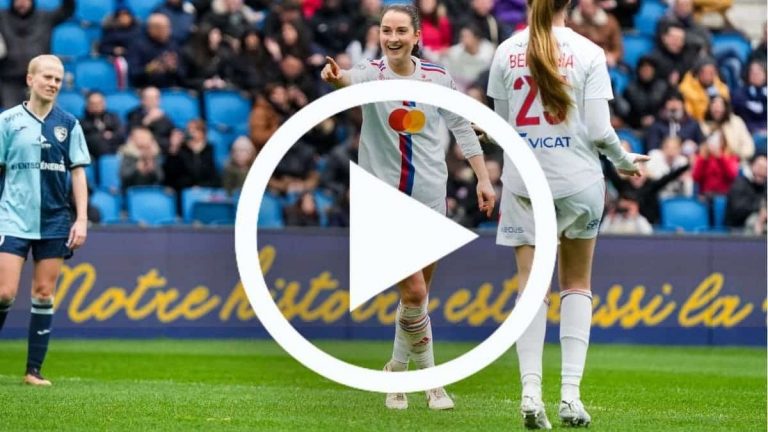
415,326
530,348
575,323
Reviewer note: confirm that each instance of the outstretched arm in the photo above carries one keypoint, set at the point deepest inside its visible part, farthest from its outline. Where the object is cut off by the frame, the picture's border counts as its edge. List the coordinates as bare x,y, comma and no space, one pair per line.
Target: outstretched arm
334,75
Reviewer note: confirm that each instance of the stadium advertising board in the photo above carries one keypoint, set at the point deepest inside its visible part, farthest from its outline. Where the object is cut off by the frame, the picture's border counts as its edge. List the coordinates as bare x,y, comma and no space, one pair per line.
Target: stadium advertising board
184,283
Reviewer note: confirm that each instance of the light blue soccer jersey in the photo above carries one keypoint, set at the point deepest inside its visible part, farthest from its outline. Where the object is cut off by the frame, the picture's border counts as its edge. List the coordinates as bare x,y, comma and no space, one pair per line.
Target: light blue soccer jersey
35,184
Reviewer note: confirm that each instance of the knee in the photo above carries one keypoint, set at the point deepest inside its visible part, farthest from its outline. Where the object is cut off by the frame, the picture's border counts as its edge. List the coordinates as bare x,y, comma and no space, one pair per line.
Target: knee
42,291
6,298
413,292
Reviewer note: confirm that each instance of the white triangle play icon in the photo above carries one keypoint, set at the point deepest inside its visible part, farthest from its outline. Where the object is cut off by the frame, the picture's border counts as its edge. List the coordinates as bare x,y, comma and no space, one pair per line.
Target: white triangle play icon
392,236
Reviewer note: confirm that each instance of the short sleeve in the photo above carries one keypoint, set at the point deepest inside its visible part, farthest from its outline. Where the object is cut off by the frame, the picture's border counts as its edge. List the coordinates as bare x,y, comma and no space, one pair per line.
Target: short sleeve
363,72
496,87
78,150
598,83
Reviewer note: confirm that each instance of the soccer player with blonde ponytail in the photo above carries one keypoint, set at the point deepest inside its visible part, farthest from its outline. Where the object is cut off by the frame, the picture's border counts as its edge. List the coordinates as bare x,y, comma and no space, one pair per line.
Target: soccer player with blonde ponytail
552,85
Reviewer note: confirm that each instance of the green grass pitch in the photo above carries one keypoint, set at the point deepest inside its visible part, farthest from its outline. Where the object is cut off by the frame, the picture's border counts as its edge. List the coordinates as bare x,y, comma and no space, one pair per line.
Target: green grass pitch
253,385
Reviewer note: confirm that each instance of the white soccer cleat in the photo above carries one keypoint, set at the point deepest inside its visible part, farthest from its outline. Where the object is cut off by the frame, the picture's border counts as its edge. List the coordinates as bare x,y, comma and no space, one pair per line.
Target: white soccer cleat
395,401
572,413
534,415
438,399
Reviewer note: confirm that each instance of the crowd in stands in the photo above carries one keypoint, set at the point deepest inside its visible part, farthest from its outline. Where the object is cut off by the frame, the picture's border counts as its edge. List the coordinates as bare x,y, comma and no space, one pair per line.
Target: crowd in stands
685,93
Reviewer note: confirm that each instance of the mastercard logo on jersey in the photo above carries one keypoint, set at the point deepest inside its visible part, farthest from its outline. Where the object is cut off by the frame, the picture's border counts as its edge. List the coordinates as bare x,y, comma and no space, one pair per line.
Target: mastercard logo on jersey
408,121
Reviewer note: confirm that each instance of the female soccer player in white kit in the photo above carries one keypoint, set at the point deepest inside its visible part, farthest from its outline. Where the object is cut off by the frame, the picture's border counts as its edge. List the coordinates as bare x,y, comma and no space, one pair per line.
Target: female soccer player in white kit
553,86
399,144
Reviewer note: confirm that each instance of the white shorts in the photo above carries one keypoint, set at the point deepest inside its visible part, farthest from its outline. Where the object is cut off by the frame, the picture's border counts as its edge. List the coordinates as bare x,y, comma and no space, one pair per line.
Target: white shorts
578,216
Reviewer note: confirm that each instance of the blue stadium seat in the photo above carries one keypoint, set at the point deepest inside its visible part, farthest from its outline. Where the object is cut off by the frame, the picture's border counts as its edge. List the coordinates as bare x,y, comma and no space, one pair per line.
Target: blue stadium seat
634,141
151,205
220,213
719,204
271,212
761,142
193,195
71,101
94,11
324,203
90,175
109,173
647,18
142,8
734,43
687,214
226,111
47,4
180,106
121,103
69,40
107,204
95,74
636,46
619,80
221,142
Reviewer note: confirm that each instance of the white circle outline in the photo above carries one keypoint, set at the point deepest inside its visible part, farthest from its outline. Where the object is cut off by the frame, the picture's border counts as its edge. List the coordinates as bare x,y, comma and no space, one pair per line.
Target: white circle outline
246,231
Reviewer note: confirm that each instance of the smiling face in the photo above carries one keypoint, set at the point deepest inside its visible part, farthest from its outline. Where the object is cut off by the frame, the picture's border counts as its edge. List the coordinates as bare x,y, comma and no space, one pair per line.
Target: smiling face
398,36
44,78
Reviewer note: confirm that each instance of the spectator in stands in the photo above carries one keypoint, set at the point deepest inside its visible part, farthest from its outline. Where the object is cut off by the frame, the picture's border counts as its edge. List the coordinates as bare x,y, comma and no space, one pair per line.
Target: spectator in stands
294,40
282,12
119,31
644,96
746,193
182,19
333,26
665,160
699,86
757,223
367,47
300,86
718,7
671,56
749,101
512,13
151,116
232,16
469,58
101,128
335,176
681,13
154,60
643,189
735,133
26,32
296,172
715,168
624,217
623,10
141,161
190,159
674,122
207,58
303,212
338,214
760,52
436,29
253,66
480,14
592,22
262,123
241,157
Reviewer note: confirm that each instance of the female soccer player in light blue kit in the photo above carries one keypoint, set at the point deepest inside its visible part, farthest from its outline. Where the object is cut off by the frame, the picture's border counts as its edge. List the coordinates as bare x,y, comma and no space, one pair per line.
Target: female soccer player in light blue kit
42,150
552,85
399,144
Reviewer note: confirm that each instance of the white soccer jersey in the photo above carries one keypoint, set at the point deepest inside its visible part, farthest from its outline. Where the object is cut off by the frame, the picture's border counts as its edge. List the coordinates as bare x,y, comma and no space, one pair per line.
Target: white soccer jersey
569,160
400,141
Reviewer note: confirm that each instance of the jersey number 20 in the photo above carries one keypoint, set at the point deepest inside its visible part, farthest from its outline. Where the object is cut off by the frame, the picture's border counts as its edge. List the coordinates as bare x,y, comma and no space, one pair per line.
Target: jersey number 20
523,119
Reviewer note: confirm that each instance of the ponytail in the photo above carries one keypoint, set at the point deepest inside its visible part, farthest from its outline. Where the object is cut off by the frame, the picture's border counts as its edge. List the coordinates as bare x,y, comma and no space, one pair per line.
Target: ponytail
543,56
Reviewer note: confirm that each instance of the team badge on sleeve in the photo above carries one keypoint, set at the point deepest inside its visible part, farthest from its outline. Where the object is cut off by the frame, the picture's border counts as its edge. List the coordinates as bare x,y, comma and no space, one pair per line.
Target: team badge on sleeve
60,132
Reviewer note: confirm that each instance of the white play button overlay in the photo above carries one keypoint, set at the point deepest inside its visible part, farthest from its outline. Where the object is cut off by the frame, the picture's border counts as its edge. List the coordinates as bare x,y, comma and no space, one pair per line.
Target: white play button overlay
392,236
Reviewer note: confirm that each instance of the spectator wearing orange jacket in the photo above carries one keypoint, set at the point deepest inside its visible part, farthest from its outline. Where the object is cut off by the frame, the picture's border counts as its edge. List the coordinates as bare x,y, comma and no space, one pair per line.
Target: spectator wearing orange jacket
699,86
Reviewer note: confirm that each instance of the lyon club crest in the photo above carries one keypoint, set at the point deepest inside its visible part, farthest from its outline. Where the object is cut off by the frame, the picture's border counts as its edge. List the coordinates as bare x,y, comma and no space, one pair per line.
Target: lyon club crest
60,132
